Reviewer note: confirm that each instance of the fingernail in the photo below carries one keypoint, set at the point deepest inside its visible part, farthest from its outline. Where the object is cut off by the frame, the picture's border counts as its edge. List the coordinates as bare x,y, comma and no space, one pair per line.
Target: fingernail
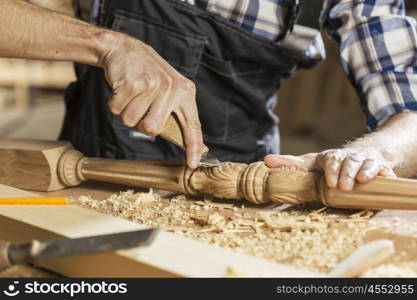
392,174
385,171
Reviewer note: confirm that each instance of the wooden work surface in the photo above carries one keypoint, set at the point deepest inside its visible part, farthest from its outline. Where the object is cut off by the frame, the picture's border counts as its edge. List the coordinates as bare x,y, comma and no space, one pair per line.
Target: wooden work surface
400,225
399,219
169,255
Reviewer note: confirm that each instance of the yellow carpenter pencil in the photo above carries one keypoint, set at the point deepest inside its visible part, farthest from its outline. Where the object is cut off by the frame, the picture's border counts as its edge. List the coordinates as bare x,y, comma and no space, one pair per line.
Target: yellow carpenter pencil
36,201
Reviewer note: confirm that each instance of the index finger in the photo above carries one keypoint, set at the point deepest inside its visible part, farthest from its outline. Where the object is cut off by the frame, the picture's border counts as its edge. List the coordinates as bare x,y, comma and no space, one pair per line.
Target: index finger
193,136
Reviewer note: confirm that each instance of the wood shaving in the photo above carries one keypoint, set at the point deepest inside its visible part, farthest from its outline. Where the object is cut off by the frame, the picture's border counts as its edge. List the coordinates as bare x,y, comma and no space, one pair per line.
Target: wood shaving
392,270
315,240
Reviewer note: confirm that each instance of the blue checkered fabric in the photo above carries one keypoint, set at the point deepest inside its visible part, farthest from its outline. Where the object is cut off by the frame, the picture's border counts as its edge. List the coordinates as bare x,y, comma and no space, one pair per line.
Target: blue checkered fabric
378,45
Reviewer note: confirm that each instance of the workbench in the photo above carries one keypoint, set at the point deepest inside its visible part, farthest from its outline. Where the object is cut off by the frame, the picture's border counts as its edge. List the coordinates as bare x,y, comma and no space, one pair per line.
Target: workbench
398,226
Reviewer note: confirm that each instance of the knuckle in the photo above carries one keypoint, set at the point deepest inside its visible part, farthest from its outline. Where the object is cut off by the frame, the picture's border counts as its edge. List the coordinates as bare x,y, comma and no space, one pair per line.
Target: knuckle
147,47
150,49
195,143
128,121
149,128
152,84
130,86
167,83
349,171
200,142
335,155
327,154
195,124
355,157
329,159
370,162
114,108
189,86
144,99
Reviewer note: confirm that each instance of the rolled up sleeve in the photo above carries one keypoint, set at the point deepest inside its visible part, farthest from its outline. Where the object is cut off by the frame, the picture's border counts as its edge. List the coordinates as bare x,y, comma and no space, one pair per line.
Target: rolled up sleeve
378,49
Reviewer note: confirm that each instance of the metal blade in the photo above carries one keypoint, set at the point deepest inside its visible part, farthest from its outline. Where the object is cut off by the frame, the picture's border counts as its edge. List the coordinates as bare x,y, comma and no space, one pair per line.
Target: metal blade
79,246
208,160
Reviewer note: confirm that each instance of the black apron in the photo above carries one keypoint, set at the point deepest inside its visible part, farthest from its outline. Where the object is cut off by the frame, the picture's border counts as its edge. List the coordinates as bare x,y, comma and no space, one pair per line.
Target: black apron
236,74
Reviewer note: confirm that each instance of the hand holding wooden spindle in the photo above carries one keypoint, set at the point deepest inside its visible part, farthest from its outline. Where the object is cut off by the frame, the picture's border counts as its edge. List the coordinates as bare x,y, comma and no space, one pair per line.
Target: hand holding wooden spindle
47,166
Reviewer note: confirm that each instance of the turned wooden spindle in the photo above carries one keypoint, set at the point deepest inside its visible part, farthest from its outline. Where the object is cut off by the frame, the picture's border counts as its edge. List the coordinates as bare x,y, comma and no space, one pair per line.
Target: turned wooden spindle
47,166
74,168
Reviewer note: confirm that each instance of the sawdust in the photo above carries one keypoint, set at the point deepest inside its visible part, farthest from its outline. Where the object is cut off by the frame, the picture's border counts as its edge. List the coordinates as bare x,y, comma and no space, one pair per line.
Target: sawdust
315,240
25,271
393,270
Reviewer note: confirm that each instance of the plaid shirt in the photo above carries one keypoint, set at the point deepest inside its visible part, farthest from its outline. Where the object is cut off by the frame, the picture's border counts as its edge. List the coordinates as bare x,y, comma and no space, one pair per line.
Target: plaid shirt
378,45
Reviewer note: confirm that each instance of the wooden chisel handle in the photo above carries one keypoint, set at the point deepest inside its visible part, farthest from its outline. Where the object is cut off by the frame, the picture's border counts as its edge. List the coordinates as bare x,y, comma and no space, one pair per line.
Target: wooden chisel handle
172,133
17,253
4,255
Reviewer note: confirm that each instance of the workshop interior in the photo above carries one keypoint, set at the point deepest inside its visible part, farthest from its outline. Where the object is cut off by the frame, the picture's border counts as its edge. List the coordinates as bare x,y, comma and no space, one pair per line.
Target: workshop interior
84,195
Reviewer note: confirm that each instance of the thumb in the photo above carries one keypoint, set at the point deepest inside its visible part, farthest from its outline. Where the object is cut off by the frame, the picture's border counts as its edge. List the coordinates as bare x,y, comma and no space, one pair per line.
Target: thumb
307,161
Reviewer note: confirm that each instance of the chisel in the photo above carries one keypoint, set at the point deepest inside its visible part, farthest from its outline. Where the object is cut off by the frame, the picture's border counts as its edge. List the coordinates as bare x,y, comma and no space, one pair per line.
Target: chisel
172,132
32,251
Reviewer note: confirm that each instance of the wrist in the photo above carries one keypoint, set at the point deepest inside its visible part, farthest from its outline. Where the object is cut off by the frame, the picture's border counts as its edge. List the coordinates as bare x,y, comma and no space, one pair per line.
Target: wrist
371,143
109,42
105,42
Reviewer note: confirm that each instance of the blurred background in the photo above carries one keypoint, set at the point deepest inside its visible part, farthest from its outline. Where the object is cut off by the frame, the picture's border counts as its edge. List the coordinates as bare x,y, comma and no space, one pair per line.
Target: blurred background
318,109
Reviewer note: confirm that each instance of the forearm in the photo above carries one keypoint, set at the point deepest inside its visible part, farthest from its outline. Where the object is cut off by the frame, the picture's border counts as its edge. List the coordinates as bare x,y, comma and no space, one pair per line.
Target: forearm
27,31
146,89
396,140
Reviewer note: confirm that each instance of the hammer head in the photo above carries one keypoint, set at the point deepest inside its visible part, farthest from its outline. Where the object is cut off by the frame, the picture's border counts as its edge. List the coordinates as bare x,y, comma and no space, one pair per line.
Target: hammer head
31,164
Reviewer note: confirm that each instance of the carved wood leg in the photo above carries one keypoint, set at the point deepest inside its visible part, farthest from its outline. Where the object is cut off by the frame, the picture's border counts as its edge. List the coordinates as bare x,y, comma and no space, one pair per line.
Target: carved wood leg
255,182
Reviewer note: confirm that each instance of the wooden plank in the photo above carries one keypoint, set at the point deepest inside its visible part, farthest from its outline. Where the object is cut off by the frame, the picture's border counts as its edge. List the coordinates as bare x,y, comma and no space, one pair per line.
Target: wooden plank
169,256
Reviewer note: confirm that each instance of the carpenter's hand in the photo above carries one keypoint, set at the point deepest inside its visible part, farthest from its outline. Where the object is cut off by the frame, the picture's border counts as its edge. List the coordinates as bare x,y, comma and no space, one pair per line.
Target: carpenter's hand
146,90
342,167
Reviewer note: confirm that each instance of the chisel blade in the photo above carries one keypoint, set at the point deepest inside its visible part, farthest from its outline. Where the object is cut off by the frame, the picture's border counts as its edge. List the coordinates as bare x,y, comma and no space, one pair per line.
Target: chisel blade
208,160
33,251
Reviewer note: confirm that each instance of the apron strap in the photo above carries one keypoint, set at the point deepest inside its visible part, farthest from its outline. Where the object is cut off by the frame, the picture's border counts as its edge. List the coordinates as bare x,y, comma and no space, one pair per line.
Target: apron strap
77,8
309,14
290,18
87,10
103,12
305,13
305,26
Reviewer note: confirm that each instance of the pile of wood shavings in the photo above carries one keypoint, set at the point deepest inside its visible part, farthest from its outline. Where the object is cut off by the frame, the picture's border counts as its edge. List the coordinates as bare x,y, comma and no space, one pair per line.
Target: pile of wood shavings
315,240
